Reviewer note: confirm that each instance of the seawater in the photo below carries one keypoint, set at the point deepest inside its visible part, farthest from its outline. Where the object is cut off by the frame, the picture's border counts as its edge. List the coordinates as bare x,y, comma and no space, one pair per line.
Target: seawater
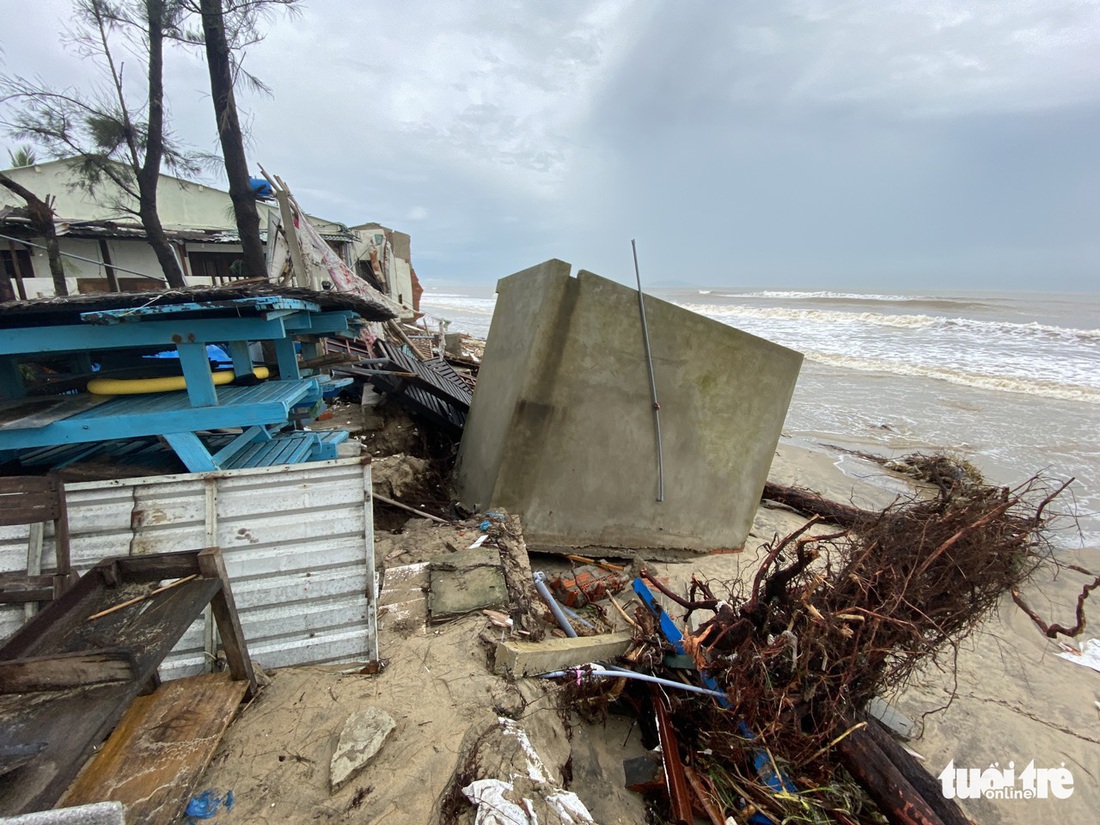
1009,381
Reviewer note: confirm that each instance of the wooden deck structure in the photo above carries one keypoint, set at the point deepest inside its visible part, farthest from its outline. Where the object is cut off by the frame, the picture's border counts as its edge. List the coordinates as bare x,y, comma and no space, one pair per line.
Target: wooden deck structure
31,421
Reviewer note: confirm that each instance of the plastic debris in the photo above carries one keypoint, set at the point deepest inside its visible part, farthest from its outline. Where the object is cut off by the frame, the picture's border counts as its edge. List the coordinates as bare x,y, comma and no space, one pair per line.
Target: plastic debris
521,800
585,584
1088,655
207,804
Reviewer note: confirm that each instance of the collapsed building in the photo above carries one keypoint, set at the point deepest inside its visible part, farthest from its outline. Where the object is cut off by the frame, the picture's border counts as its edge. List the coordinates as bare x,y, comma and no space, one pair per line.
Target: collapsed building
105,250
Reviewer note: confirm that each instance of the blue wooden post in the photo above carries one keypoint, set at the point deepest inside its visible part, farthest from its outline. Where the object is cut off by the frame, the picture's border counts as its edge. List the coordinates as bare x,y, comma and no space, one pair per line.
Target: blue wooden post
288,359
242,358
196,371
312,349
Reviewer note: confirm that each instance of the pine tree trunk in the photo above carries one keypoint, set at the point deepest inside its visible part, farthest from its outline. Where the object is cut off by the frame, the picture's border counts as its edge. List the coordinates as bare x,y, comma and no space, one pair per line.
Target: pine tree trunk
148,176
41,217
232,140
154,233
53,254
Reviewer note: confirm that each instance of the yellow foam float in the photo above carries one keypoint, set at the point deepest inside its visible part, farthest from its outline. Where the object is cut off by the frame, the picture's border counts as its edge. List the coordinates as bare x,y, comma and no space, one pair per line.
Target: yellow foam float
168,383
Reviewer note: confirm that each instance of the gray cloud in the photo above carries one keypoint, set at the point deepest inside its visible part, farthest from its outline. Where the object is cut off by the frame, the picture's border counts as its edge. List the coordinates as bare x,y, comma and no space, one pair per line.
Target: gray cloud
797,142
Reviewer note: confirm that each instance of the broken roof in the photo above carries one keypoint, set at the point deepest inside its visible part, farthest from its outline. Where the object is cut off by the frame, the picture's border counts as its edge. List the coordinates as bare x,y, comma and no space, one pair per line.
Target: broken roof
67,310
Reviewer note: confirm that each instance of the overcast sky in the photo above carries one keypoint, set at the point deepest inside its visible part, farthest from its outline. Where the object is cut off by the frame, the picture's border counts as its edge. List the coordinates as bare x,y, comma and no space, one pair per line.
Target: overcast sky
864,144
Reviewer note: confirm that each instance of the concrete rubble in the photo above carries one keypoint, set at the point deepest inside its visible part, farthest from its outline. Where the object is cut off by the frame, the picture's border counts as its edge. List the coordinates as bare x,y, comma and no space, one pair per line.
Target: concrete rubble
362,737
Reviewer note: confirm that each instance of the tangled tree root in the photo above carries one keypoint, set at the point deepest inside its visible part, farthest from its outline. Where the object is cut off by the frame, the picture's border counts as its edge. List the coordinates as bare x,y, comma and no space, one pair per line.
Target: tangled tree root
830,621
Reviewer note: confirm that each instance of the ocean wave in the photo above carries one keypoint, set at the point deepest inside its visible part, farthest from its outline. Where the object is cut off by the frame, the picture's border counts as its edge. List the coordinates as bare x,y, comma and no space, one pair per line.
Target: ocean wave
798,295
833,317
461,302
862,299
1046,388
725,312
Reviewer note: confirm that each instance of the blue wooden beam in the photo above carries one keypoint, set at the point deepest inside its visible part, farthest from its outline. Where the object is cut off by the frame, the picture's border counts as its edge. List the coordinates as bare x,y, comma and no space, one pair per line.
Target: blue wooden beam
72,337
134,416
242,358
192,452
11,380
323,323
287,359
259,304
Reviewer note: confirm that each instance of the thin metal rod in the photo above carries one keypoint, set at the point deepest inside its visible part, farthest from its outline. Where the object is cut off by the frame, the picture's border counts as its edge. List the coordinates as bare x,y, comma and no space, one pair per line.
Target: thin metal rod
406,507
82,258
652,380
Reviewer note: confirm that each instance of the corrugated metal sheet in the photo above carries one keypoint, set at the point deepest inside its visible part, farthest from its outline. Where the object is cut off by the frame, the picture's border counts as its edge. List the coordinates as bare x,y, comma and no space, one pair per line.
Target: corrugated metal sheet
298,543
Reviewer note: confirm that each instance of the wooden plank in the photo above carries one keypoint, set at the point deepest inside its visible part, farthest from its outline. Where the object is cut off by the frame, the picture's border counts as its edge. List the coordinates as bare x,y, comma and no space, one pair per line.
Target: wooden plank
73,722
212,564
32,413
66,670
160,749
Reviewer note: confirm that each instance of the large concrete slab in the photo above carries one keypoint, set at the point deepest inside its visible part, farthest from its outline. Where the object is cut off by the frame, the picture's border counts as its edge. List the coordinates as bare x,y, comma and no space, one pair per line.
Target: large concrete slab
561,429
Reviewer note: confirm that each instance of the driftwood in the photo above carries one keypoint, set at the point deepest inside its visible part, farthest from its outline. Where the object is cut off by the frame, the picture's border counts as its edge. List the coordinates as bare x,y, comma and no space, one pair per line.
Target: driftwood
900,786
916,775
809,503
1052,630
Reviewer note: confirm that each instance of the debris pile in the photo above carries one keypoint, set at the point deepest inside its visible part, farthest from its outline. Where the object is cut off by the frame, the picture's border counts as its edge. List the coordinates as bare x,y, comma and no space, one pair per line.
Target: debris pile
827,623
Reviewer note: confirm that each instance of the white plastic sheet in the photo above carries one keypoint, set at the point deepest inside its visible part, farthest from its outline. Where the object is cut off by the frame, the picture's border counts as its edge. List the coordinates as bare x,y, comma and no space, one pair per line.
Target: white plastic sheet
1089,655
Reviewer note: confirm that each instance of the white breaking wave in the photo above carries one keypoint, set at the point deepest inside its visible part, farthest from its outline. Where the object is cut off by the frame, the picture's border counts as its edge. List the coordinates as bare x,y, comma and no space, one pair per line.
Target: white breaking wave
727,312
465,303
846,296
987,381
800,295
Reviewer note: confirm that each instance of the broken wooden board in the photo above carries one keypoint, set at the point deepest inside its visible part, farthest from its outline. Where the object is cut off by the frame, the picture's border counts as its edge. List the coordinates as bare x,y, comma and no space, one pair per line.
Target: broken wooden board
160,748
61,727
67,670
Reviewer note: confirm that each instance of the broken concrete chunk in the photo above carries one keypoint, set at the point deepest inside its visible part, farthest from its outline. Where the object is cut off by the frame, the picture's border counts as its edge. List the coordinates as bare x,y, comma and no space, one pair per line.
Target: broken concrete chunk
360,740
529,794
520,658
562,429
466,581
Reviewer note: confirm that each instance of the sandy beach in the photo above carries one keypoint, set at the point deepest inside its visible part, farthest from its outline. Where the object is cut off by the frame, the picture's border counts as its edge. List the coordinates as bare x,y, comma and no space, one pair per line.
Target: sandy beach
1015,700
